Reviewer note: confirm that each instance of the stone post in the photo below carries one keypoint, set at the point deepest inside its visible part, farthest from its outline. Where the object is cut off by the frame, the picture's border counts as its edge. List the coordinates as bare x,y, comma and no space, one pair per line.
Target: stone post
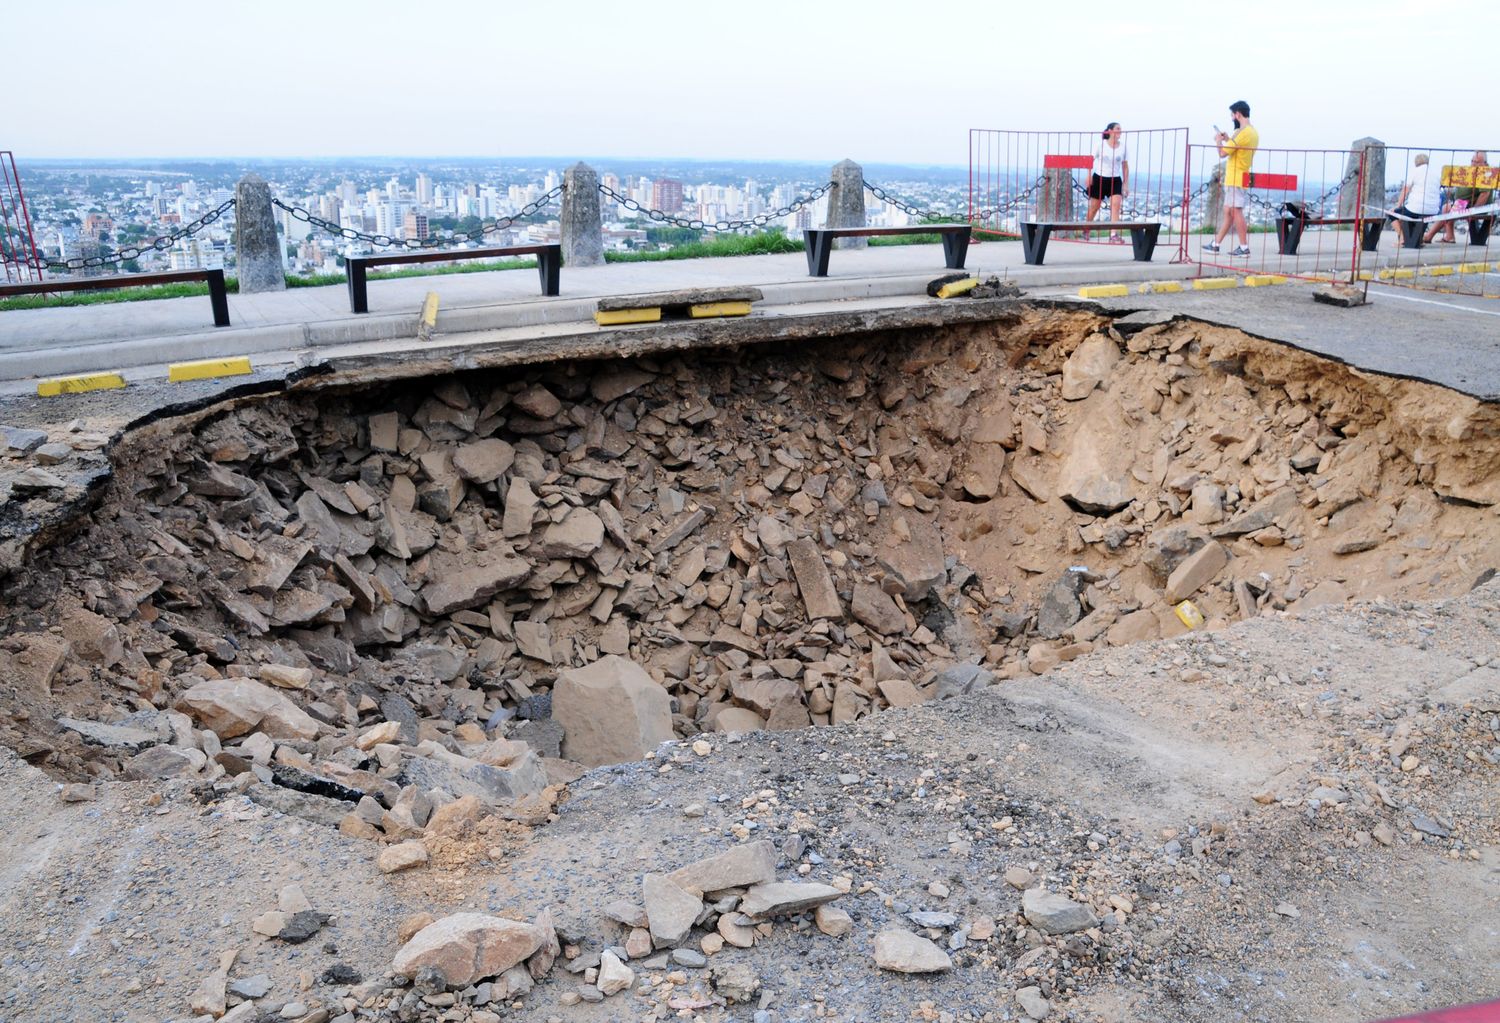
1374,194
846,202
256,244
582,222
1056,200
1213,200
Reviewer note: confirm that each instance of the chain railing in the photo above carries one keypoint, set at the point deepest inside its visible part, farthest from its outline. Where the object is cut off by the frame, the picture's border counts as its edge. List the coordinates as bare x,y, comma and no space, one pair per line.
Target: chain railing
978,215
306,216
760,220
129,252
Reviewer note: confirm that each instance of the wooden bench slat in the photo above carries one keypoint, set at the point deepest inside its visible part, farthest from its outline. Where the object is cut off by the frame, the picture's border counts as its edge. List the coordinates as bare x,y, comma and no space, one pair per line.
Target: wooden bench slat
819,242
1085,225
548,265
1035,234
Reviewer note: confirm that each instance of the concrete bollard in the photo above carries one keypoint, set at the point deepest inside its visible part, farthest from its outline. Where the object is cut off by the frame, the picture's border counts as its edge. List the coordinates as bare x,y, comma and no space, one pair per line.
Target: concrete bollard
582,222
1374,193
846,202
1213,200
1056,200
256,244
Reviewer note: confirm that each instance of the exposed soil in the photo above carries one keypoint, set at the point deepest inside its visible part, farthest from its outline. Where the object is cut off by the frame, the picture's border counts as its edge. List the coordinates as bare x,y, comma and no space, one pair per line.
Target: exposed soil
786,537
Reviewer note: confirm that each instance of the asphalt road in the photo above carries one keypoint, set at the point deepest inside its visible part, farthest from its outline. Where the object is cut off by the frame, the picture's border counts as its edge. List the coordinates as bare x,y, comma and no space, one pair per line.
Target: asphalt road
1452,340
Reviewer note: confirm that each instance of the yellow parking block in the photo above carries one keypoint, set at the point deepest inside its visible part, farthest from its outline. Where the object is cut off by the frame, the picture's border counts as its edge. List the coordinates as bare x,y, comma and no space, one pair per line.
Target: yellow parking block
1367,275
614,317
207,369
1161,287
429,310
79,384
1104,291
1264,280
1402,275
1439,271
1215,283
706,310
1473,268
958,287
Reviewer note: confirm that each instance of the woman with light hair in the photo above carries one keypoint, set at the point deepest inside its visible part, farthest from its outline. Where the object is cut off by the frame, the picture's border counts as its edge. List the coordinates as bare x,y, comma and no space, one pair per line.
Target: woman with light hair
1421,196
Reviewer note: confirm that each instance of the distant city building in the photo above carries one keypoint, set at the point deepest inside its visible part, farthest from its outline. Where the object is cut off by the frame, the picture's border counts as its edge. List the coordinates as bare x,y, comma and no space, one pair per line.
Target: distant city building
666,195
424,190
414,227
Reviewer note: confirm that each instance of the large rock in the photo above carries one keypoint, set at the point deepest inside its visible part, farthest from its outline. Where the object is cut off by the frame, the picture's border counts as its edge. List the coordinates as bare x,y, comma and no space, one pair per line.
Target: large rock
743,865
578,535
1060,607
813,580
783,898
1261,514
500,570
1051,913
485,460
901,951
670,909
912,555
1090,365
1167,548
468,947
874,608
1196,571
437,768
1094,477
611,711
235,706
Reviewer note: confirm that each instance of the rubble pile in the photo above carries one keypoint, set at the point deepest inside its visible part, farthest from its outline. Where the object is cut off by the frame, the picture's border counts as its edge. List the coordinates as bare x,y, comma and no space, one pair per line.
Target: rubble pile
474,587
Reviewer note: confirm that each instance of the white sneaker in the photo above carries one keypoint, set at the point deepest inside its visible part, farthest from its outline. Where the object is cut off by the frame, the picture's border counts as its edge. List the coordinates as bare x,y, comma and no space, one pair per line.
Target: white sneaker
1242,251
1210,247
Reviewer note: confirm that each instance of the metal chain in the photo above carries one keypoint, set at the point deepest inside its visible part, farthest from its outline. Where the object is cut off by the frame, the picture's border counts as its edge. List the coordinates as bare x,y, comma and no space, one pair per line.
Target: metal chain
759,220
978,215
160,244
386,241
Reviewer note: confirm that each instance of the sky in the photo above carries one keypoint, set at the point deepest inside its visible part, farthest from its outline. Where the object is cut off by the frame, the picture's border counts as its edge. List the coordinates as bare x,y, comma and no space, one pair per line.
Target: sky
813,80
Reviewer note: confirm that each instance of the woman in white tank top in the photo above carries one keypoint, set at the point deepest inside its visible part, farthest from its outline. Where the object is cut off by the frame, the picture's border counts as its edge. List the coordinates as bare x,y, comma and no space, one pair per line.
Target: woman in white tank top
1111,176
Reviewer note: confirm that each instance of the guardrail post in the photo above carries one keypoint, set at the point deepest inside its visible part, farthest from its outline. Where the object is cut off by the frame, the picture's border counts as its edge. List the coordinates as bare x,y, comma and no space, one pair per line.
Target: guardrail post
582,223
846,201
1374,194
1213,202
1057,201
256,245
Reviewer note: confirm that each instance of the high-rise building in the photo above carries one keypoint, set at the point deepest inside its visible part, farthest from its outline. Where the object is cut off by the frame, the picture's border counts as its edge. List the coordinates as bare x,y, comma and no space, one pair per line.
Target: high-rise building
550,181
424,190
414,227
393,189
666,195
348,193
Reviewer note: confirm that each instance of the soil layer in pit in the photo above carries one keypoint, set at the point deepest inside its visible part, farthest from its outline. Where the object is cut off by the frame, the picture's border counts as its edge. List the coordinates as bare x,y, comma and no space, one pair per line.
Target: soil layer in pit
355,607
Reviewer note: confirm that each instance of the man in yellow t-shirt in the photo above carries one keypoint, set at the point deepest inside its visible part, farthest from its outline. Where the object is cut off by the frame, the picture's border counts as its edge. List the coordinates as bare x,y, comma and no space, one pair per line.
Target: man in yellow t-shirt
1240,150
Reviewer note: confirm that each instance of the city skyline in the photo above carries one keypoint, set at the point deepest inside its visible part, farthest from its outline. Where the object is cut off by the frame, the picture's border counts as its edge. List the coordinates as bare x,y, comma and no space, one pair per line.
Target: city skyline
872,81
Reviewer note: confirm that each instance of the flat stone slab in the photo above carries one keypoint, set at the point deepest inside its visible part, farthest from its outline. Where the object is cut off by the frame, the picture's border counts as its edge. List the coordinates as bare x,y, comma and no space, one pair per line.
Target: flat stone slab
682,297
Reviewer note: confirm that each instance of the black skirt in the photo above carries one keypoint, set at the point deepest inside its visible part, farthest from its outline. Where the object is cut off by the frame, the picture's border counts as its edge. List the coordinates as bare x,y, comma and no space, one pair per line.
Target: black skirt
1104,188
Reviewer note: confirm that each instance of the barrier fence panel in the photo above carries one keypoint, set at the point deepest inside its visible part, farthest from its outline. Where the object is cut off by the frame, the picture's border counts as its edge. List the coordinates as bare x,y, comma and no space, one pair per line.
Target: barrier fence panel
17,242
1440,206
1029,176
1298,217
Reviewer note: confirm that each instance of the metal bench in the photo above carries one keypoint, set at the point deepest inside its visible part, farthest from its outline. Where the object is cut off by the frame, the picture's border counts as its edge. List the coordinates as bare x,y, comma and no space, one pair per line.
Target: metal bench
1034,236
820,242
218,297
548,265
1289,228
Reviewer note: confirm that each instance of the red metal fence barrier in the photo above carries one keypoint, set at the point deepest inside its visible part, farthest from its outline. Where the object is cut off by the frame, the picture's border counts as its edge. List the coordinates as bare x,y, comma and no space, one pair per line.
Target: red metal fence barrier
1016,176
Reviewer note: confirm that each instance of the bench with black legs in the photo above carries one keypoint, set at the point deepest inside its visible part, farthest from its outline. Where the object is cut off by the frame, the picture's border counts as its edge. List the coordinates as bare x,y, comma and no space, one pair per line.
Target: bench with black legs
1290,225
820,242
1035,233
548,266
218,297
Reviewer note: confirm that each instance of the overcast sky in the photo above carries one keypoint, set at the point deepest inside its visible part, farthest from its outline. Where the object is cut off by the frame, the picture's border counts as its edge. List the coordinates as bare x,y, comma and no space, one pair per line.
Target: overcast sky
817,80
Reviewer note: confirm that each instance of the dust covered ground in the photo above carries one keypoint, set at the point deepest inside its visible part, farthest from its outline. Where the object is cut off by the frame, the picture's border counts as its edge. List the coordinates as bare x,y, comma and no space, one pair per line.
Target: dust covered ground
908,610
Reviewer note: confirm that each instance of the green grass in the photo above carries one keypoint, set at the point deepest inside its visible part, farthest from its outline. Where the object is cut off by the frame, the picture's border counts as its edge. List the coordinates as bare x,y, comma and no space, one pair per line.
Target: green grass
761,244
232,285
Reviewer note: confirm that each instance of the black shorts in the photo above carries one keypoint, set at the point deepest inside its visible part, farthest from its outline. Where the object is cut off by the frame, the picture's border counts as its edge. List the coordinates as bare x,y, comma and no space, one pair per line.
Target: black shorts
1104,188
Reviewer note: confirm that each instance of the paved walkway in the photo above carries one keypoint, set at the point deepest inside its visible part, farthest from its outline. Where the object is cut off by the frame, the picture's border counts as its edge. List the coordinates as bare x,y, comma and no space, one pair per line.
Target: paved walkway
46,342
